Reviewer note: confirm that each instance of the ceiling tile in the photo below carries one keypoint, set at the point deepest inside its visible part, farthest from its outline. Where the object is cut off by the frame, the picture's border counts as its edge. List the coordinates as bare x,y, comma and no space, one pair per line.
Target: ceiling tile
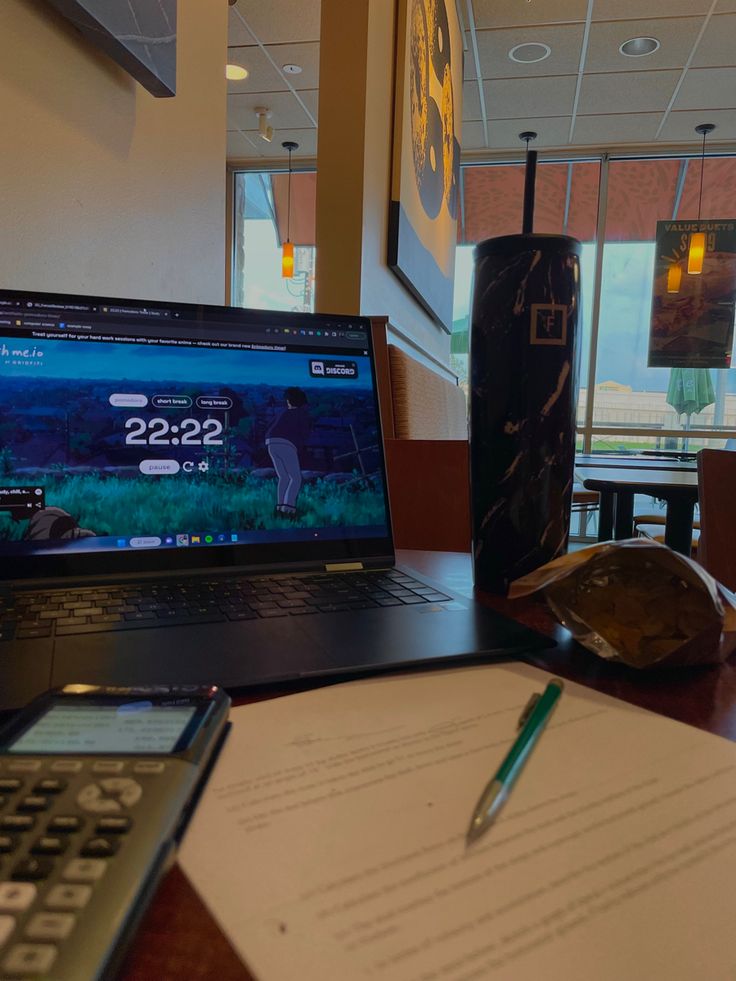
510,98
473,137
305,55
705,88
471,101
718,45
239,147
237,33
676,36
276,21
726,7
565,42
511,13
504,133
631,9
615,129
306,138
262,76
285,110
626,92
680,127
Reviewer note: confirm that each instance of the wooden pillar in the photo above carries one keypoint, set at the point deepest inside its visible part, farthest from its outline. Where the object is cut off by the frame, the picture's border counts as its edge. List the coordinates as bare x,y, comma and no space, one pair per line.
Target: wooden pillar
343,78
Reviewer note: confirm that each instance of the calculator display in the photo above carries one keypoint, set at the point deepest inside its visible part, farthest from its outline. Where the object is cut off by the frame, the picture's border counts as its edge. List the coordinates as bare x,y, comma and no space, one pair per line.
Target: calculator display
132,727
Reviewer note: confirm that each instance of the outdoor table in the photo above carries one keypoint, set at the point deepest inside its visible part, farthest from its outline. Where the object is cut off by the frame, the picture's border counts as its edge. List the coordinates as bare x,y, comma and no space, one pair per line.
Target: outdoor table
618,486
622,461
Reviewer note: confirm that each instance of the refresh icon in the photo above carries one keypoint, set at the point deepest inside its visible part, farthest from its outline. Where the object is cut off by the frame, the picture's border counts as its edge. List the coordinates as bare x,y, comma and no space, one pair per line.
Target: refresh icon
187,466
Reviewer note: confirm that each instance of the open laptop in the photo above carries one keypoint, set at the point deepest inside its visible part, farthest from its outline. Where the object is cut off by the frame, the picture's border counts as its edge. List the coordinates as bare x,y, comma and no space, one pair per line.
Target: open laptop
197,494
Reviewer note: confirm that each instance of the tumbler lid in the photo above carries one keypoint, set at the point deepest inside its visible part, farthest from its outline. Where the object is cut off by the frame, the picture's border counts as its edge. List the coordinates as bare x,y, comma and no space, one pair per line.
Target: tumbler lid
537,241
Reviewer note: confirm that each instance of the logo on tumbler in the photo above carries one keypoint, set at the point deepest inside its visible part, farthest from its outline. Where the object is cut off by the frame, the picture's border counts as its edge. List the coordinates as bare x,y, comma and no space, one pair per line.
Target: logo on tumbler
548,324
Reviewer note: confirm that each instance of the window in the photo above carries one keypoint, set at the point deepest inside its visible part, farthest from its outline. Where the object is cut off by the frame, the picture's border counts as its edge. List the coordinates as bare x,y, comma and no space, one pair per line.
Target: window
262,220
627,405
566,201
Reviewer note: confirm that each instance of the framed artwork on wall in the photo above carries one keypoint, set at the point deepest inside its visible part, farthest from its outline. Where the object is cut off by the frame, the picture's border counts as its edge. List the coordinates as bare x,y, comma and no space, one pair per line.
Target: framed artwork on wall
426,153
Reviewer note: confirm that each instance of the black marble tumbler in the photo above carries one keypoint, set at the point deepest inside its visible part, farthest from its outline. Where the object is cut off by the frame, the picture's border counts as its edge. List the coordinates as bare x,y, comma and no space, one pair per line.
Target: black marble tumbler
523,395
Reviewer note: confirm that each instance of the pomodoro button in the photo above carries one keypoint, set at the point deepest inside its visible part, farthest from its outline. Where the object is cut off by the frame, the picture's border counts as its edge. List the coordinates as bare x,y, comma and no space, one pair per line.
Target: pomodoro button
159,467
128,400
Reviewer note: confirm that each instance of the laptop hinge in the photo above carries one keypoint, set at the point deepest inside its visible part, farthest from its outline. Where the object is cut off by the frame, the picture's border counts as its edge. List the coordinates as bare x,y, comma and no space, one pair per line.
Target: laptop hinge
343,566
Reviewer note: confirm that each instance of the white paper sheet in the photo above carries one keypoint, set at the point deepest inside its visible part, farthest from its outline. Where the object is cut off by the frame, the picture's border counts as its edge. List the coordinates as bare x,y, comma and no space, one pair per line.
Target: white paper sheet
330,843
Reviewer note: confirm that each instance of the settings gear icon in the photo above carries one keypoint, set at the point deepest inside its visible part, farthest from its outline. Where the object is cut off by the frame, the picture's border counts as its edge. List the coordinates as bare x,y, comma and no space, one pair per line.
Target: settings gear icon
203,466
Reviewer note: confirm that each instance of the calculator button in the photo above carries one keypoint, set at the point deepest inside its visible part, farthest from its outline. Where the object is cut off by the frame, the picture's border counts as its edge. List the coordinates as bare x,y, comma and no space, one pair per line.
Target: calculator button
7,925
9,784
8,843
49,845
64,824
99,848
113,826
50,926
126,790
16,896
66,766
24,766
30,959
33,802
68,897
30,868
50,785
17,822
85,869
91,798
149,766
108,766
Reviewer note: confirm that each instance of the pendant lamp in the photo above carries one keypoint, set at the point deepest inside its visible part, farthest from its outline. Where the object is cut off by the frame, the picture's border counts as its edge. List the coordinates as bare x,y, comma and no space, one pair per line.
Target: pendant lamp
696,251
287,248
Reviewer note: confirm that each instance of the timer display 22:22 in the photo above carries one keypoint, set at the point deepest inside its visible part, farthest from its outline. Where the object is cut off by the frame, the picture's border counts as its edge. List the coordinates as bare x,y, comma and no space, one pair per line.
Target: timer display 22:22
159,432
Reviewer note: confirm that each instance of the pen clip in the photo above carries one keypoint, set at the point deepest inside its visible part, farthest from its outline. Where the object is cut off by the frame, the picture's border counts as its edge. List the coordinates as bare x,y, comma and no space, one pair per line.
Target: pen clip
528,709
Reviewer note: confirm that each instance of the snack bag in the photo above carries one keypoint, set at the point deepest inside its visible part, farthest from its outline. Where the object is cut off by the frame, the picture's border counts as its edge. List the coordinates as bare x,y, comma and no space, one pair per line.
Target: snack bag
638,602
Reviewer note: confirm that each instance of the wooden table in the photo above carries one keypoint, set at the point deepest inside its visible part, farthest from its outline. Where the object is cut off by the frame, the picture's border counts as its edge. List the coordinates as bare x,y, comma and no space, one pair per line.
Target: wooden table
178,939
617,487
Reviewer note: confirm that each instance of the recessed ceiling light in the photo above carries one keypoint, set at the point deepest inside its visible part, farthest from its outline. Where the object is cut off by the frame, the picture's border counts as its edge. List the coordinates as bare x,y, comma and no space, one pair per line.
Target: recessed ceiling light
637,47
236,73
292,69
530,52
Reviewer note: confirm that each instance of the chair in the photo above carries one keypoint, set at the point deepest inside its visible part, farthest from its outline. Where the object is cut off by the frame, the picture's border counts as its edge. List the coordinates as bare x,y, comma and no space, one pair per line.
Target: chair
424,418
717,492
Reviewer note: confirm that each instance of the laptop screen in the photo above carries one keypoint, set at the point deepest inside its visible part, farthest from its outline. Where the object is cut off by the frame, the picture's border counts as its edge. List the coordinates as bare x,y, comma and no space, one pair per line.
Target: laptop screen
129,427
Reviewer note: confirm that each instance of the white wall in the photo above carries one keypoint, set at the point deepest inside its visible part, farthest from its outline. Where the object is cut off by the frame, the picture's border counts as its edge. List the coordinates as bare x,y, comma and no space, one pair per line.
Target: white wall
104,188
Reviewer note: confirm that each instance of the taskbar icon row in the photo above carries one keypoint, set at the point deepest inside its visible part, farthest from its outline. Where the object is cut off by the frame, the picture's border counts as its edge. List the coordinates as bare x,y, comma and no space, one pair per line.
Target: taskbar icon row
180,540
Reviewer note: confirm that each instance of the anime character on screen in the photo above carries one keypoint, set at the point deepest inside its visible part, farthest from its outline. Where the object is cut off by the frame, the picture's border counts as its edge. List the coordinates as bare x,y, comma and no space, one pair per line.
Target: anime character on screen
285,439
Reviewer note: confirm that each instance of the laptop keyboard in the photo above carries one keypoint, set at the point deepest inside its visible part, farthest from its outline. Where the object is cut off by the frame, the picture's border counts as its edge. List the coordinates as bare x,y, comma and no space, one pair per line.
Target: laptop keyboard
82,610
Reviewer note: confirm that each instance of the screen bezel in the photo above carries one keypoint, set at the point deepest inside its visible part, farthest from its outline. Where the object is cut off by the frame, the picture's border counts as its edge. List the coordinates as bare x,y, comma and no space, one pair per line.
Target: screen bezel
20,726
255,557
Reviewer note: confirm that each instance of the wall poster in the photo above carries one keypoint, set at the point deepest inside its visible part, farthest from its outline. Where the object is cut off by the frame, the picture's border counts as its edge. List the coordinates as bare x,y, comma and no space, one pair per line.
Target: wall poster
693,315
426,155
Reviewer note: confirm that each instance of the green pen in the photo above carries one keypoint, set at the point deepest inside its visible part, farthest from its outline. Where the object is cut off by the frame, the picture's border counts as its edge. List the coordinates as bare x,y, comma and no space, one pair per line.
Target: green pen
533,719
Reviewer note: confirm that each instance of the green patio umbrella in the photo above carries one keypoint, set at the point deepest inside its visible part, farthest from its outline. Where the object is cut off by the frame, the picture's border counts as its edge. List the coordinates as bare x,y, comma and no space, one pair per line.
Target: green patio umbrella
690,391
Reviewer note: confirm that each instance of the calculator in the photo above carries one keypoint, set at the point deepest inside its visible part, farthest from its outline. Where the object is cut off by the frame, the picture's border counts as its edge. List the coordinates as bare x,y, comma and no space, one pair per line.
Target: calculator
96,787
